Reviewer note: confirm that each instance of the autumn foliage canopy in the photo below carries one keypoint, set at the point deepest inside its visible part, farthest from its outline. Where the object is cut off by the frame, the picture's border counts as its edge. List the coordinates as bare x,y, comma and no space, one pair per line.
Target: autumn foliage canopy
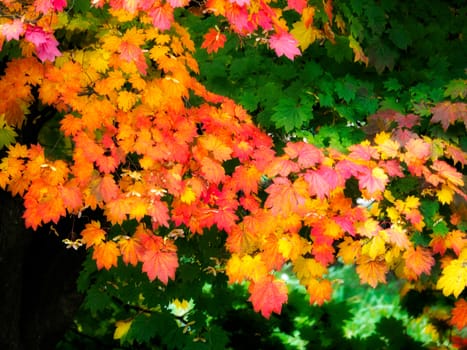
149,143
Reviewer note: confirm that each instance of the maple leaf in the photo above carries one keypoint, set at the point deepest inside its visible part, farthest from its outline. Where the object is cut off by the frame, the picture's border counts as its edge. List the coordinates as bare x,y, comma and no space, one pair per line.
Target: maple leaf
246,267
305,34
307,155
371,271
454,276
93,234
456,240
45,6
219,149
133,53
213,40
159,212
106,255
459,314
129,249
71,196
297,5
448,172
284,44
359,55
268,295
122,328
212,170
162,16
349,250
418,260
45,43
319,291
283,197
13,30
107,188
388,147
159,258
322,181
373,180
445,194
448,113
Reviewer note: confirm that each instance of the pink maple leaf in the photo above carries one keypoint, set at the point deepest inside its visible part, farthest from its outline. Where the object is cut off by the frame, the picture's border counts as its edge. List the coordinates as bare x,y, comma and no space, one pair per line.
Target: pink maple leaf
239,19
45,6
13,30
45,43
178,3
162,17
297,5
240,2
132,53
285,45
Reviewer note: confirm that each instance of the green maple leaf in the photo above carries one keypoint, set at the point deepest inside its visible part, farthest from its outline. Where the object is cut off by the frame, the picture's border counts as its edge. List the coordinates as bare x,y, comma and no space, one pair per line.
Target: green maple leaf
289,115
456,88
7,134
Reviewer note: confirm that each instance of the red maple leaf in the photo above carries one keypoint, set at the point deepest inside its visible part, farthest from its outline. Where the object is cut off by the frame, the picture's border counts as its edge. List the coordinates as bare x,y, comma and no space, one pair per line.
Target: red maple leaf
448,113
268,295
213,40
459,314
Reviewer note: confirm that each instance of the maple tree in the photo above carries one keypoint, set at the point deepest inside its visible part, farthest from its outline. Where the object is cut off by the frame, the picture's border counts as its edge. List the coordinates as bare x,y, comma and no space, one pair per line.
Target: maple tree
163,160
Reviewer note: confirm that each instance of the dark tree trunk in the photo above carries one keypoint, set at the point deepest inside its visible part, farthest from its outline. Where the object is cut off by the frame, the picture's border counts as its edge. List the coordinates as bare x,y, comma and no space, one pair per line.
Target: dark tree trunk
37,275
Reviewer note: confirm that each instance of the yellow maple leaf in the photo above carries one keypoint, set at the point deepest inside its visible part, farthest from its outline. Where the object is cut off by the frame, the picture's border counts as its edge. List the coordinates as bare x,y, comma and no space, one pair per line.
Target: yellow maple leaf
388,147
374,247
445,194
305,35
246,267
126,100
308,268
122,328
349,250
188,196
454,276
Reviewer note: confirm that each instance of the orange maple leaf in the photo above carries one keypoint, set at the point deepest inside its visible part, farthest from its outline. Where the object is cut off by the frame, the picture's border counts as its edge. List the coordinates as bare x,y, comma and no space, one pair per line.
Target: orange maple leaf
106,255
107,188
284,197
212,170
319,291
93,234
129,249
459,314
371,271
418,260
268,295
448,172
